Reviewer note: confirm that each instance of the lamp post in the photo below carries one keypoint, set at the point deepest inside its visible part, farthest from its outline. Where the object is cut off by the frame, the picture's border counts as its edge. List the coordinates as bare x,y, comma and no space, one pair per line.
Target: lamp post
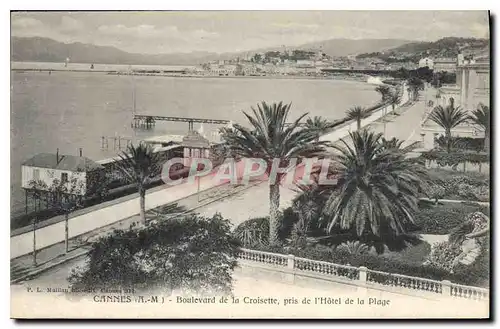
198,193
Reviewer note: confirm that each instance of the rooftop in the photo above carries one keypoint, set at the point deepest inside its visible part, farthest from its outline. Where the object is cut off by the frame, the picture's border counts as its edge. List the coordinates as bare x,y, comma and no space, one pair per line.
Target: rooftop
65,162
194,139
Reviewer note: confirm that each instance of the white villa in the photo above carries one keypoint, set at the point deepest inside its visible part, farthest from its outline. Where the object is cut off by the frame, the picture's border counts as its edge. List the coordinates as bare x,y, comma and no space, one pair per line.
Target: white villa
472,87
47,167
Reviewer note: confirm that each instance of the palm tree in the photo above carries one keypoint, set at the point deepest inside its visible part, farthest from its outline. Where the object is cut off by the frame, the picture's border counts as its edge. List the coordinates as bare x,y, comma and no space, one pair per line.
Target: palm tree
384,91
395,145
318,125
414,85
481,117
270,138
357,113
448,118
394,99
377,190
306,206
138,165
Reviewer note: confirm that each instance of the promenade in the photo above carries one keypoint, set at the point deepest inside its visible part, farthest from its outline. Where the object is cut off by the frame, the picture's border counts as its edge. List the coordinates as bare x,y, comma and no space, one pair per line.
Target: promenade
254,202
22,244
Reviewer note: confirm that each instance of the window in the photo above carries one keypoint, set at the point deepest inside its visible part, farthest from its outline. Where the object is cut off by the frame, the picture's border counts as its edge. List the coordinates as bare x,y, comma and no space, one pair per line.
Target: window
64,177
36,174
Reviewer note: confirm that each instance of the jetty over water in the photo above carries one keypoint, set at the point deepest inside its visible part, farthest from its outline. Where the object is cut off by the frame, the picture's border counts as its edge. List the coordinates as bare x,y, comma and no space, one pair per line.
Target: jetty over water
141,120
147,121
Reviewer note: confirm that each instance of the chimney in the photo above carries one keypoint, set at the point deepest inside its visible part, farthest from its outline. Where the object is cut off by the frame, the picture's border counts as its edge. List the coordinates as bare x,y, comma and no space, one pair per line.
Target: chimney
80,151
57,156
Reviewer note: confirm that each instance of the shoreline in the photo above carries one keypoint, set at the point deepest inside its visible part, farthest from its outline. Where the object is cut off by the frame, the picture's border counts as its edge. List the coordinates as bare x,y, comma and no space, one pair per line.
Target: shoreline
341,77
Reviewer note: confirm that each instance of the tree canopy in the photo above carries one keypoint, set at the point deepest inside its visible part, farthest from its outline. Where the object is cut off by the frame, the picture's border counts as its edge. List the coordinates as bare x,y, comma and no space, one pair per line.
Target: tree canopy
191,254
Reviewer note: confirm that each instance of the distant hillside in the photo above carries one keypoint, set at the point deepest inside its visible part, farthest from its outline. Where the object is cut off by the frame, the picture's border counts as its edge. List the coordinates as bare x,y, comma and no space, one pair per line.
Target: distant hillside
345,47
37,49
447,47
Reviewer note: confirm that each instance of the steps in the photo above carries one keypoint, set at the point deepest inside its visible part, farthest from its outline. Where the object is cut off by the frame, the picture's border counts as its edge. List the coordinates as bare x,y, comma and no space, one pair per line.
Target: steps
471,255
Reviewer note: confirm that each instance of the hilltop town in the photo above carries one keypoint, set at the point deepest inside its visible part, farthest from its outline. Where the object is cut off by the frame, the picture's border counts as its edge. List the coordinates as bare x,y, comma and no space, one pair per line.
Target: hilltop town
440,56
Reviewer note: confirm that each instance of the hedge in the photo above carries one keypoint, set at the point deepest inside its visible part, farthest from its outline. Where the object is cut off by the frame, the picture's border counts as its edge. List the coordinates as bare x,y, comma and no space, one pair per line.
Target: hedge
455,158
462,143
441,219
455,185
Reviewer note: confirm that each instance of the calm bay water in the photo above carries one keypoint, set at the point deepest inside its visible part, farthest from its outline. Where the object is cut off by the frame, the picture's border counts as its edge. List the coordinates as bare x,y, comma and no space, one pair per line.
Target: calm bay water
69,110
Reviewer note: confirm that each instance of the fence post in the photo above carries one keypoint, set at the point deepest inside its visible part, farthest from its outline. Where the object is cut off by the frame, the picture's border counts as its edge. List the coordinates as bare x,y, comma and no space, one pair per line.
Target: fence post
362,287
446,288
362,274
290,274
291,261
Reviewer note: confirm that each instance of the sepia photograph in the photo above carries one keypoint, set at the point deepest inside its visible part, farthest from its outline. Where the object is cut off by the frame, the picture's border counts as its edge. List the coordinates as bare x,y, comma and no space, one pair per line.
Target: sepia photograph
329,164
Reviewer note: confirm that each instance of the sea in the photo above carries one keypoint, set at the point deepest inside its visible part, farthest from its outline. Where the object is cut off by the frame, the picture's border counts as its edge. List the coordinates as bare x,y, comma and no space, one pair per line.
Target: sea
69,110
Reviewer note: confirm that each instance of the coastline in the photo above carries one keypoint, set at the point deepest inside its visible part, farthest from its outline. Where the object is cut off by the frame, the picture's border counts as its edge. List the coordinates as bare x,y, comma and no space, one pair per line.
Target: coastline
341,77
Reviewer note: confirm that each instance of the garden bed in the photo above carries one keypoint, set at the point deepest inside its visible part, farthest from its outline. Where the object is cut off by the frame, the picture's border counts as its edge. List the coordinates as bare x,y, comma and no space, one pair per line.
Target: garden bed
442,218
455,185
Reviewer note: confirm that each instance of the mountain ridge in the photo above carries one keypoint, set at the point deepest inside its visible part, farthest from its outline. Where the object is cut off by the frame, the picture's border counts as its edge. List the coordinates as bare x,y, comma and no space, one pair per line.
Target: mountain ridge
40,49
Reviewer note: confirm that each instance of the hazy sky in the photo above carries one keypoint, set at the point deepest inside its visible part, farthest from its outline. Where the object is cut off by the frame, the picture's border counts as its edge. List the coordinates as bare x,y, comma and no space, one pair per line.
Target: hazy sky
166,32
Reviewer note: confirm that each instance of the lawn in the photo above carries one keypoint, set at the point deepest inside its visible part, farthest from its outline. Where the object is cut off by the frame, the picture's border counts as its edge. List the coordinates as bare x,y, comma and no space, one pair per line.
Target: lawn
414,255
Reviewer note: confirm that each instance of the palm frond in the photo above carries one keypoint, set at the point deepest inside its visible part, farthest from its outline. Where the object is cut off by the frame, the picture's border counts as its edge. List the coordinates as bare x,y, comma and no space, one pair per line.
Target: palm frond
377,187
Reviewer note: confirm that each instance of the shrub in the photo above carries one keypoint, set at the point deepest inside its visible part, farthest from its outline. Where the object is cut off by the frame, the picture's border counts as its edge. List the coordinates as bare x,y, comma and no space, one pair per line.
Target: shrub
290,218
191,254
442,219
459,185
477,273
253,232
471,192
354,248
457,235
435,192
455,158
461,143
383,264
442,255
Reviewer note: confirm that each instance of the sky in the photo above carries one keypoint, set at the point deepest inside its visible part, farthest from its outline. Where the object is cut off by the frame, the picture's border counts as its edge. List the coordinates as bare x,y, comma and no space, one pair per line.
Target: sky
231,31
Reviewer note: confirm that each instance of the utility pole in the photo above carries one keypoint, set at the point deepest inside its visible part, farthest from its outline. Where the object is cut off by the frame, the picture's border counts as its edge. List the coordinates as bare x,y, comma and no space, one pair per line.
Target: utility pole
198,193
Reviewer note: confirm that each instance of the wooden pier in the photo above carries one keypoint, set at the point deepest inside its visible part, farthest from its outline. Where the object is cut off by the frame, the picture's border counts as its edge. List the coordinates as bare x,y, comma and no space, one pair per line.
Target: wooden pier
117,143
147,121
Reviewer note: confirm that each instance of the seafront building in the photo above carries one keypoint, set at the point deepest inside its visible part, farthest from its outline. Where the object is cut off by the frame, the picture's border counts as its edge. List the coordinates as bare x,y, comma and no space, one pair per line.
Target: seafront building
471,89
445,64
426,62
76,173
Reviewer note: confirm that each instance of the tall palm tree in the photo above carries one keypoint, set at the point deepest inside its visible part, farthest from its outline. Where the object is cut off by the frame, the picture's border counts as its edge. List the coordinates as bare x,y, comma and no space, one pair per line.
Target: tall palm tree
270,137
357,113
318,125
414,85
384,91
448,118
377,188
394,99
139,165
481,117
